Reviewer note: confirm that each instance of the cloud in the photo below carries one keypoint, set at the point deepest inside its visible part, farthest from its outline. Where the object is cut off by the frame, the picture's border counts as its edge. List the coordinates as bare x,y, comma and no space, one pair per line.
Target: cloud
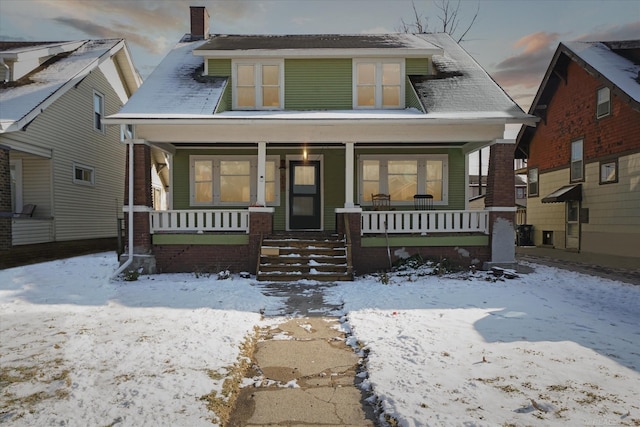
613,33
527,68
117,31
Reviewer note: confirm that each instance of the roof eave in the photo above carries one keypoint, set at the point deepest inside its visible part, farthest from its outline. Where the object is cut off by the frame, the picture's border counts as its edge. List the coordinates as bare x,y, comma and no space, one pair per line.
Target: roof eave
315,53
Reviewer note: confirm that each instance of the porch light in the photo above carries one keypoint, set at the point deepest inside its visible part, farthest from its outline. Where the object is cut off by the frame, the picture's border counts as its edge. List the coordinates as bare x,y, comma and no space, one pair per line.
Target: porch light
304,154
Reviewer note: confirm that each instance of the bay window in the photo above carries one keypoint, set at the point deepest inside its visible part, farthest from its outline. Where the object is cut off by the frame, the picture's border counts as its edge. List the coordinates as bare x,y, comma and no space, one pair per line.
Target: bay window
402,177
231,180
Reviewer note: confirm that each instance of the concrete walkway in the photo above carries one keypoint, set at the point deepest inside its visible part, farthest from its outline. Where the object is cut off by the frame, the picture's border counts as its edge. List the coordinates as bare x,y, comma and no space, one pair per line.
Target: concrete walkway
304,375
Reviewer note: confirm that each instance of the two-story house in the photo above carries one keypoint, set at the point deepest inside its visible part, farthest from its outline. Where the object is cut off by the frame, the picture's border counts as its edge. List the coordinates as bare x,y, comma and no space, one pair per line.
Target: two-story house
584,157
61,169
274,134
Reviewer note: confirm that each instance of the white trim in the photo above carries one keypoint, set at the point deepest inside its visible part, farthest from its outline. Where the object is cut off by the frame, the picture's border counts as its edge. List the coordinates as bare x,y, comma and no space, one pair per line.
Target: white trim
257,79
421,176
378,62
355,209
253,178
137,208
81,167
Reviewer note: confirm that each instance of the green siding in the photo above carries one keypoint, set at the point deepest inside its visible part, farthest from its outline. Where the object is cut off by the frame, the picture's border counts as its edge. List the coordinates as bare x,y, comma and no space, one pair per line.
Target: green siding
416,241
410,96
318,84
416,66
222,68
200,239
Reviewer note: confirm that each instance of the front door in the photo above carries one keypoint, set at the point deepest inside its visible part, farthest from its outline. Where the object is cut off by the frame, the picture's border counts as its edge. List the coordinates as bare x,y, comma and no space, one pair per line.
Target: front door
304,195
573,225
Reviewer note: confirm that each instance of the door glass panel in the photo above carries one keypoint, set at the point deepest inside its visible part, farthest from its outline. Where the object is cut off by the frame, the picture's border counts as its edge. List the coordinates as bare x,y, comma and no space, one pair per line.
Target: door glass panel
304,175
572,211
302,206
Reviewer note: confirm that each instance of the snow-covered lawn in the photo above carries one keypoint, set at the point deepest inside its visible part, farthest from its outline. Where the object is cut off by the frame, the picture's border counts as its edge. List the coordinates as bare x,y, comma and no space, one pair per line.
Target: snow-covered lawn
549,348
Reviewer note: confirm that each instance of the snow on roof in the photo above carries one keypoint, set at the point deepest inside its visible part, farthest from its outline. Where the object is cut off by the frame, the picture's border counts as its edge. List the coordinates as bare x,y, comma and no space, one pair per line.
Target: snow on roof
461,85
617,69
176,88
26,96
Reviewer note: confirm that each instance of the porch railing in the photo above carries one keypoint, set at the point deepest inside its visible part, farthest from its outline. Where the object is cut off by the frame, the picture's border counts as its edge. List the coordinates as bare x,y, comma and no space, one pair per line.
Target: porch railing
200,220
396,222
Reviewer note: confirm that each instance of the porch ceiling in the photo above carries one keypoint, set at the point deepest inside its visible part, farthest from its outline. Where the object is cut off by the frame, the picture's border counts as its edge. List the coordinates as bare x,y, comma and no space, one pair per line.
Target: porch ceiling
329,132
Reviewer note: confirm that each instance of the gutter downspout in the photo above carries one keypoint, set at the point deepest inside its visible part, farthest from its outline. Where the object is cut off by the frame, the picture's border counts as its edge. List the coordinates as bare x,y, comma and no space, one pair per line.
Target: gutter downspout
129,260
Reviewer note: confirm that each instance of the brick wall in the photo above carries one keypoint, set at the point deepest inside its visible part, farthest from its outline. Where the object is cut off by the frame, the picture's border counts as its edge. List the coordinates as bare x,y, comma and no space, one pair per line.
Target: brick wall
5,200
260,225
571,115
142,190
500,177
202,258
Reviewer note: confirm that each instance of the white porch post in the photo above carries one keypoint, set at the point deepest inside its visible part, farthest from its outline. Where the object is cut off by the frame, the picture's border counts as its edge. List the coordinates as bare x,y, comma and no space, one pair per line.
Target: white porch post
262,169
348,174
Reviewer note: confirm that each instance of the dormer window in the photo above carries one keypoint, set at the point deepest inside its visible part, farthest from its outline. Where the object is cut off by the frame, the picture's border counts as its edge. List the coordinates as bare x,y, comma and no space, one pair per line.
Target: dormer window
258,85
603,107
378,84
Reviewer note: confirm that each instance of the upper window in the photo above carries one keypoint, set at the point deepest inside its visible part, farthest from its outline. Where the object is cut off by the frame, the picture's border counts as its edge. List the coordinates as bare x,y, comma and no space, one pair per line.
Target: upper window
609,172
532,180
378,84
98,111
603,107
258,85
84,175
232,180
577,170
403,177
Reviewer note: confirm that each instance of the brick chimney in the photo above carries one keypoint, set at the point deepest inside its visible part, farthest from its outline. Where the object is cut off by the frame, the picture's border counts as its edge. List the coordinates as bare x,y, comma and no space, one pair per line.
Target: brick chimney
199,23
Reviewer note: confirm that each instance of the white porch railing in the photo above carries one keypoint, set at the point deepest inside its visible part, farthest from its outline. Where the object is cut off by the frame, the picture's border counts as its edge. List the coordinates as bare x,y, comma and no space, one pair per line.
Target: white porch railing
373,222
200,220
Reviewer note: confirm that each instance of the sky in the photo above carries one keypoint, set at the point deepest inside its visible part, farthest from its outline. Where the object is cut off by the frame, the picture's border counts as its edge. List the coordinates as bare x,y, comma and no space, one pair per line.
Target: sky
513,40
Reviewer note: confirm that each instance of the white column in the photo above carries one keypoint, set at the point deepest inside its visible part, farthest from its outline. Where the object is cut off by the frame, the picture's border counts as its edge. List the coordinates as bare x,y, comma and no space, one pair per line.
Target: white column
262,169
348,174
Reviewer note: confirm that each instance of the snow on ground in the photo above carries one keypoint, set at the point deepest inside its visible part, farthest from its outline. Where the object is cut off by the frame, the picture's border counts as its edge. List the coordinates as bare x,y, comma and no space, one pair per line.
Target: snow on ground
549,348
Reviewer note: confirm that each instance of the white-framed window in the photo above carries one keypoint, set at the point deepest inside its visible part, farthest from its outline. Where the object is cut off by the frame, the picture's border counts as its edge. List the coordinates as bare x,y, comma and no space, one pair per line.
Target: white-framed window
577,171
532,181
402,177
378,84
98,111
258,85
15,170
603,102
232,180
83,174
609,171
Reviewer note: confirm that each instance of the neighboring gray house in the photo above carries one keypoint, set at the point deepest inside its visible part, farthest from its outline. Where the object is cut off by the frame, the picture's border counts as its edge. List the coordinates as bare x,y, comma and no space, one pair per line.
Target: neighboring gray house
57,159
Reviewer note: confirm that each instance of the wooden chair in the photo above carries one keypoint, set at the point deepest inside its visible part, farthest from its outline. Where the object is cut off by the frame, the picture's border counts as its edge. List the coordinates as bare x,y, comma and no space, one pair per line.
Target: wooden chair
423,202
381,202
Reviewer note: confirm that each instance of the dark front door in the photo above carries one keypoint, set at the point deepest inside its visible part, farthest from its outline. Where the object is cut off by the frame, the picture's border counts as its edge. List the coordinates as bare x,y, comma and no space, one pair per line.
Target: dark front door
304,195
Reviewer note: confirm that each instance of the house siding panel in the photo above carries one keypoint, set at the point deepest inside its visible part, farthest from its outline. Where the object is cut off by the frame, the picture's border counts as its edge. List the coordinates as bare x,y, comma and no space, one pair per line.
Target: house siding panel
222,68
318,84
548,216
80,212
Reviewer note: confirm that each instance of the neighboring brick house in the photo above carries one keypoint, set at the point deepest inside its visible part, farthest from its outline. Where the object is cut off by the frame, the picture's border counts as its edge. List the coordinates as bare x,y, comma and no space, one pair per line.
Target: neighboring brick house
584,156
61,168
267,135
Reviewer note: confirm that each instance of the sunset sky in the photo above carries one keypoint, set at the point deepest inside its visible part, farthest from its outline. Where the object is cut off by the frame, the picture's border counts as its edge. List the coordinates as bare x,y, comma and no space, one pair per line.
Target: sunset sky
513,40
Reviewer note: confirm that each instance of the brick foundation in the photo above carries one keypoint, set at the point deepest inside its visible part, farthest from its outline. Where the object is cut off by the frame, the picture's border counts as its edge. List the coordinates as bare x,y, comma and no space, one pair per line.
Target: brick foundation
202,258
31,254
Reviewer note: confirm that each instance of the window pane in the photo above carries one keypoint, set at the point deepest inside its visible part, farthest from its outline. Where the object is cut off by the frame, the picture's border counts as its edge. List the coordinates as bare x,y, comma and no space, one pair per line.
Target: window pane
435,189
233,167
434,179
270,75
608,172
304,175
402,179
366,96
270,191
603,95
234,188
576,150
366,74
371,170
203,170
369,188
270,171
270,97
390,74
245,75
391,96
203,192
246,97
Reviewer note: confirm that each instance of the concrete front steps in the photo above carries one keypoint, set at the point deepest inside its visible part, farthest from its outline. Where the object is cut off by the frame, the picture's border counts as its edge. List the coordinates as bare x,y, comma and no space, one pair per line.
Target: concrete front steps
294,257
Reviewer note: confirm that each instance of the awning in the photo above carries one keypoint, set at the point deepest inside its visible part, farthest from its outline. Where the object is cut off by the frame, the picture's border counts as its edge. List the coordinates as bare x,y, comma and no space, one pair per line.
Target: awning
565,194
